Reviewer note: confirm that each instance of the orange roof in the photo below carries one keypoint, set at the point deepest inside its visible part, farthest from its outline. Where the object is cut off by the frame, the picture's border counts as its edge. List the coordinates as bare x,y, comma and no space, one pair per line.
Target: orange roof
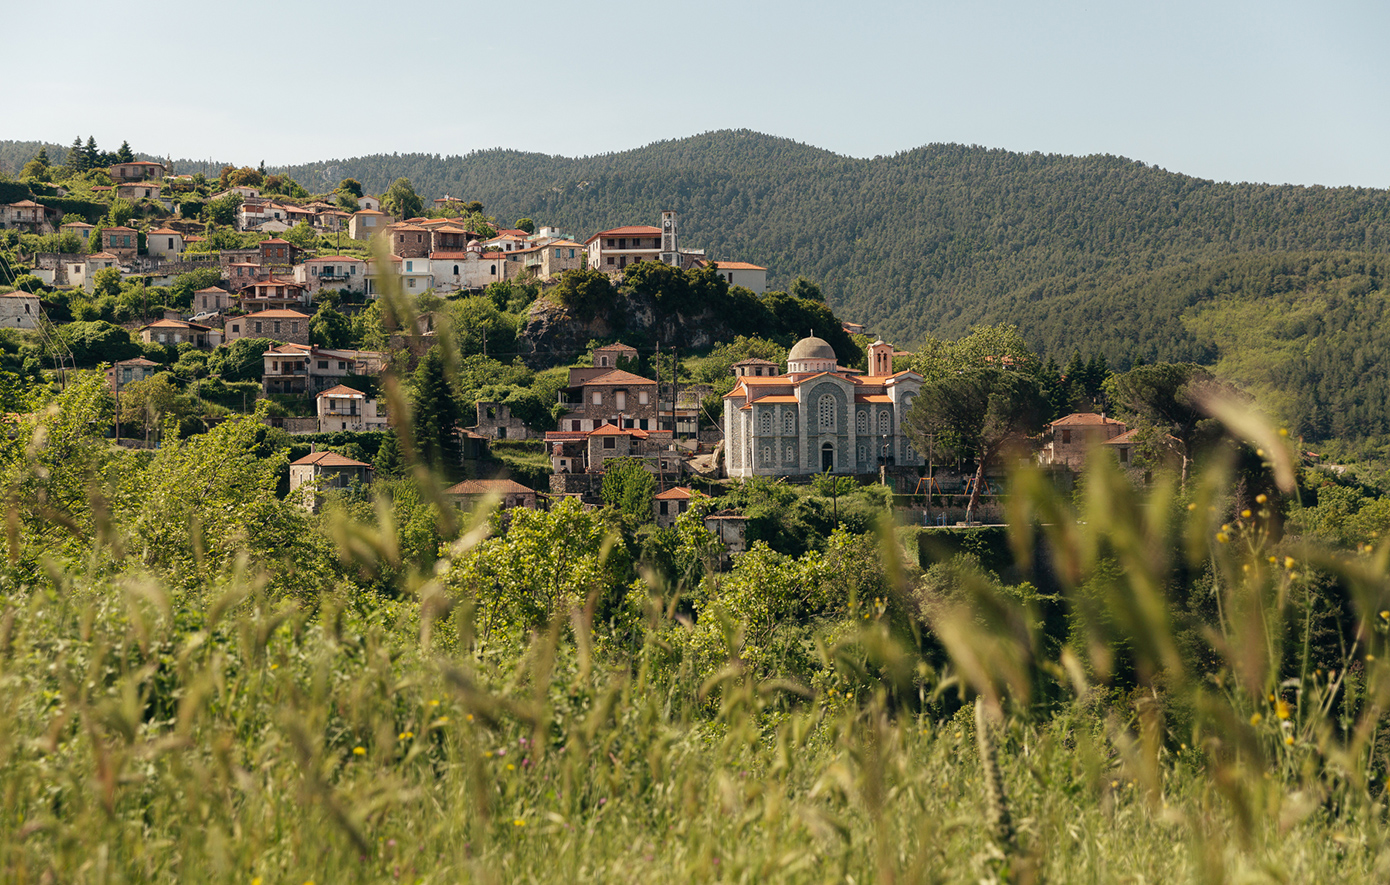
174,324
280,314
634,230
211,289
274,241
611,430
451,256
78,224
679,493
1129,437
368,212
873,398
1084,419
329,459
511,232
340,390
775,399
617,376
123,229
626,348
489,487
736,265
494,256
164,232
333,258
407,226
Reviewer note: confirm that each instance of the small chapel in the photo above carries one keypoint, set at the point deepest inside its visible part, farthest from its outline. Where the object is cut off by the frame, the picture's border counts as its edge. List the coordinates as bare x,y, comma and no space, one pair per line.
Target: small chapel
816,417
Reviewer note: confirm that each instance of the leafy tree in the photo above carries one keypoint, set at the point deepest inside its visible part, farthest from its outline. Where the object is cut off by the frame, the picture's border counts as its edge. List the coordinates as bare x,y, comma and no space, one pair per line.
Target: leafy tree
121,212
302,235
804,288
1168,397
42,157
223,210
526,224
350,187
628,487
586,292
28,283
106,282
479,327
148,402
34,171
240,360
401,200
329,328
977,413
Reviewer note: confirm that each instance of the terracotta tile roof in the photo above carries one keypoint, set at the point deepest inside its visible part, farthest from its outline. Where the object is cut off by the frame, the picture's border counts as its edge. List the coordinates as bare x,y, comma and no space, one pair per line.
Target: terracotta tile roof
122,229
1129,437
104,255
342,390
736,265
26,204
78,224
452,256
635,230
679,493
775,399
489,487
174,324
329,459
278,314
165,232
625,348
617,376
1084,419
275,241
135,361
611,430
334,258
509,232
873,398
406,226
212,289
368,212
494,256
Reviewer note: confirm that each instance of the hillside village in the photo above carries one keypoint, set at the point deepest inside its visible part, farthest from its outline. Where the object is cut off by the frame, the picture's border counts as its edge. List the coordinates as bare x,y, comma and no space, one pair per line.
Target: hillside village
253,291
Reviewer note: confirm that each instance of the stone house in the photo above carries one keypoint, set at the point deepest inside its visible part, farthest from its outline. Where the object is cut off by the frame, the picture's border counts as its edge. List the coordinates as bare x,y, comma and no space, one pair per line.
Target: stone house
277,253
26,215
367,223
19,310
319,471
545,262
287,326
731,528
139,190
1070,439
670,504
496,421
176,332
122,373
409,240
212,299
616,398
508,493
123,242
471,268
343,408
368,203
136,170
81,229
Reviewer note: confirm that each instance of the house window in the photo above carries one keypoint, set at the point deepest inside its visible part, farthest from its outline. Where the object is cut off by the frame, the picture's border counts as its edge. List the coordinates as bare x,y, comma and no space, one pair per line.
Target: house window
765,424
294,327
861,422
492,269
1066,435
885,423
642,398
258,328
1124,455
456,270
825,413
661,507
409,267
620,400
789,422
598,398
610,442
342,366
277,327
323,364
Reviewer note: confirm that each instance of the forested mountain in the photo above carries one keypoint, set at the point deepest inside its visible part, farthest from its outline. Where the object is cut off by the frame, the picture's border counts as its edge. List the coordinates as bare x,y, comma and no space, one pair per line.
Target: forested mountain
928,241
1096,252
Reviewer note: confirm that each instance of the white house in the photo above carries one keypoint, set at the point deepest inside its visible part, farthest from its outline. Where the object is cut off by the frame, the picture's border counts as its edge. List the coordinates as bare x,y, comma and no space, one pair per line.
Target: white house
470,269
19,310
741,273
165,242
332,272
342,408
414,274
612,250
369,203
80,272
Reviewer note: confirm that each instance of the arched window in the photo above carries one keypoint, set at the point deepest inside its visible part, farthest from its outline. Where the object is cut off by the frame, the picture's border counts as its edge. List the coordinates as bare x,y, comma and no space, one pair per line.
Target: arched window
767,457
861,454
765,424
861,422
791,453
825,413
456,270
885,423
789,422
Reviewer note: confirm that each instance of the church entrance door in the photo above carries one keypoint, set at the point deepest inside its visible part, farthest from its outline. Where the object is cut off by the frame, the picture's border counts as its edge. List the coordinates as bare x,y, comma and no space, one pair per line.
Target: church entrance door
827,457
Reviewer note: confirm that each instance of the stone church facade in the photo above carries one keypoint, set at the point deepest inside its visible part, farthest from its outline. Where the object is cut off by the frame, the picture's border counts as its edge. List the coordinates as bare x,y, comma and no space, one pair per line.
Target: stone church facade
817,418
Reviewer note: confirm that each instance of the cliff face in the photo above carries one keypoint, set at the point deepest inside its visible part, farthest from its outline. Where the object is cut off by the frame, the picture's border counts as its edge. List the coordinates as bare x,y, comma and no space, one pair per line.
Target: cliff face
552,336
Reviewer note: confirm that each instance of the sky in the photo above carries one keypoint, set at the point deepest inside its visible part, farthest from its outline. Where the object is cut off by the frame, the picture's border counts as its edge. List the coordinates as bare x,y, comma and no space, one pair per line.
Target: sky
1279,92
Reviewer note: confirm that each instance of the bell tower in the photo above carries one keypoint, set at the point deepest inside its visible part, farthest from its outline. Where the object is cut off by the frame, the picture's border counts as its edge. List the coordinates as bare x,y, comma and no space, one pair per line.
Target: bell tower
880,358
670,251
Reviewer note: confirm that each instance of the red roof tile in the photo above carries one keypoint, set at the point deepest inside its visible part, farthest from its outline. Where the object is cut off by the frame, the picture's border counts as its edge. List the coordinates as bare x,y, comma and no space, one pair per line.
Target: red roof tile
329,459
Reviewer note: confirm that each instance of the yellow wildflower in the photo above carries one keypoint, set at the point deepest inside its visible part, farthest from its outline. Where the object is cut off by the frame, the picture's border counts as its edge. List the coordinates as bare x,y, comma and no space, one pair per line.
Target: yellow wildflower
1288,562
1289,740
1281,709
1245,514
359,751
1256,719
518,822
1260,499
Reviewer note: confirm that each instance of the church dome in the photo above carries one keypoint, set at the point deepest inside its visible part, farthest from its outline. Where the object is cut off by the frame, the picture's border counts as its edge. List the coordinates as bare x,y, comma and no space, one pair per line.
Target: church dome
812,349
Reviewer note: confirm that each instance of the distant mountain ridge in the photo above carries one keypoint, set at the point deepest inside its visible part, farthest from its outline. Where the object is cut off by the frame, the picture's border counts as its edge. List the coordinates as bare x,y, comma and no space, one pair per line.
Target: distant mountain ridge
928,241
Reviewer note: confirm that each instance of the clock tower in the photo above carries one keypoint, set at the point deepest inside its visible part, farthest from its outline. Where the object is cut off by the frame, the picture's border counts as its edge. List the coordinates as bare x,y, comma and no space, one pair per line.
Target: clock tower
670,253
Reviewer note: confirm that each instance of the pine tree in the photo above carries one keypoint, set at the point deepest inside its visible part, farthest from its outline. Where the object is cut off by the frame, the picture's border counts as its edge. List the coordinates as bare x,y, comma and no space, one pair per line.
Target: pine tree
389,461
91,154
436,415
42,156
76,158
125,154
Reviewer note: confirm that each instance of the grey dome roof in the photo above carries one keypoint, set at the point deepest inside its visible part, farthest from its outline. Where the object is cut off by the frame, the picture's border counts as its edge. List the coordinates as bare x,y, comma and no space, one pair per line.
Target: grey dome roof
812,349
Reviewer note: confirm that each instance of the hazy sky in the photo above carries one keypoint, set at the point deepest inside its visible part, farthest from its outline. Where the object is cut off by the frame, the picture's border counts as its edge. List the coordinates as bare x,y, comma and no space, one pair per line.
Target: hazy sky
1238,91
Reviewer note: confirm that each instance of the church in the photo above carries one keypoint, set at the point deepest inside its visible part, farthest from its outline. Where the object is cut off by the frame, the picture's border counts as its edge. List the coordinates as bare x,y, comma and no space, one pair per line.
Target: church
817,417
